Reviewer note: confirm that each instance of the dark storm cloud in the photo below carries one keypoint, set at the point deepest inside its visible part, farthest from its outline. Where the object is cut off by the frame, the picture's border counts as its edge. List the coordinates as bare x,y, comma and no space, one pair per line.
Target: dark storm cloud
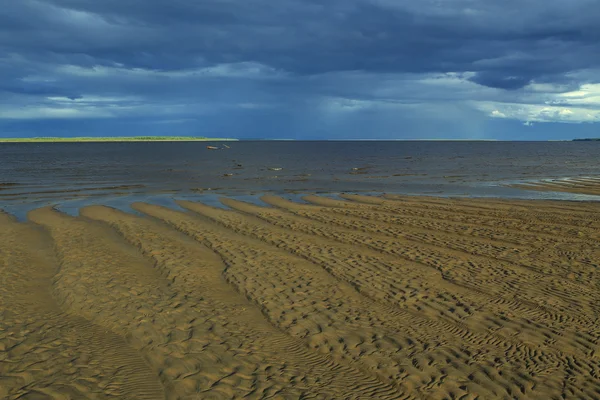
508,44
325,65
501,80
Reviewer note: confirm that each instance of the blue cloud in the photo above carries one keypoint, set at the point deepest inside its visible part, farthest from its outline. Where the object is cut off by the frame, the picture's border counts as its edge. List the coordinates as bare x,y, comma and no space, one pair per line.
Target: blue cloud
302,69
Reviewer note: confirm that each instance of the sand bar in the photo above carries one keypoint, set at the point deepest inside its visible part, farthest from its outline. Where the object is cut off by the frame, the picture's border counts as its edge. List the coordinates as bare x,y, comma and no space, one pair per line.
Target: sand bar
583,185
358,297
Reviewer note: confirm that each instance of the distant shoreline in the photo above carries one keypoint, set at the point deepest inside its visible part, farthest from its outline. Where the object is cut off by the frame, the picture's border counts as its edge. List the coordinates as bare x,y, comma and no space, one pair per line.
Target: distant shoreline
206,139
114,139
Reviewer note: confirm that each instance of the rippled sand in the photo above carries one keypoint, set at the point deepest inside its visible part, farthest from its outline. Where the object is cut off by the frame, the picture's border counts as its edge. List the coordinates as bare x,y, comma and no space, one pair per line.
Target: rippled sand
368,297
590,185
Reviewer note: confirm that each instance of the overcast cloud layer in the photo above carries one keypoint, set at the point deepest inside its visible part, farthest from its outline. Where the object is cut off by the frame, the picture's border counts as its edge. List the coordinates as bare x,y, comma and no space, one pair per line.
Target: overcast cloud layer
526,69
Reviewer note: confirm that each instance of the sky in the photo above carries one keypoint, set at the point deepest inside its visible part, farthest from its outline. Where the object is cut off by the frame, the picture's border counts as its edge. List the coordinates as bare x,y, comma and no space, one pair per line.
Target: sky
301,69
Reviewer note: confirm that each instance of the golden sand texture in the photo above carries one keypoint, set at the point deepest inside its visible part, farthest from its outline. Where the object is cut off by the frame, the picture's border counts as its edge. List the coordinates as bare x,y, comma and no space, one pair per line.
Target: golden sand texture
389,297
590,185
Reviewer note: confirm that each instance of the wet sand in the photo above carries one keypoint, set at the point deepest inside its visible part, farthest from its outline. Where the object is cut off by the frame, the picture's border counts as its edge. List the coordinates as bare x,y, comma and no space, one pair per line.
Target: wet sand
391,297
587,185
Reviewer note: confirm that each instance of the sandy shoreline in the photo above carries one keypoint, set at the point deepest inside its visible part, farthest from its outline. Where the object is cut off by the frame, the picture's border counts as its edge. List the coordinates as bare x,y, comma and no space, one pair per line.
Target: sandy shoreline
367,297
585,185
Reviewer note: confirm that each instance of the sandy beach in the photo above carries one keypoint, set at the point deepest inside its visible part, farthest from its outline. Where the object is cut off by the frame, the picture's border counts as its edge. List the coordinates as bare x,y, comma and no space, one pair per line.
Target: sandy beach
584,185
357,297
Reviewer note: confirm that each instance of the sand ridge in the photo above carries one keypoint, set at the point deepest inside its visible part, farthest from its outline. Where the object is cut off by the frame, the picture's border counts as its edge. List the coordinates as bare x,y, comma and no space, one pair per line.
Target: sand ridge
46,351
255,360
359,297
583,185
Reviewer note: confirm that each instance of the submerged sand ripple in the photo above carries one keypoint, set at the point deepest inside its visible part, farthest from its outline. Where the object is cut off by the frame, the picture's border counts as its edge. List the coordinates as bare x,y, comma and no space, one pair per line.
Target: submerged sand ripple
367,297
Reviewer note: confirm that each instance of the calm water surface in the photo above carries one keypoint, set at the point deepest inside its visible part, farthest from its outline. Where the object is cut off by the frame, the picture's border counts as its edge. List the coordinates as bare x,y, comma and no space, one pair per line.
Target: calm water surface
74,174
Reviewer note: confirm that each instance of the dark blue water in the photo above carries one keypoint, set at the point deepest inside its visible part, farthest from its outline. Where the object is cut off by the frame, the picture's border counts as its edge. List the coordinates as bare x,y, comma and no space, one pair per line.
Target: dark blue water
32,173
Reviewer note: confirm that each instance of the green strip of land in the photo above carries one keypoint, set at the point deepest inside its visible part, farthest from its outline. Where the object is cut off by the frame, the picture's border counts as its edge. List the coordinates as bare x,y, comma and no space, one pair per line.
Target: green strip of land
113,139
